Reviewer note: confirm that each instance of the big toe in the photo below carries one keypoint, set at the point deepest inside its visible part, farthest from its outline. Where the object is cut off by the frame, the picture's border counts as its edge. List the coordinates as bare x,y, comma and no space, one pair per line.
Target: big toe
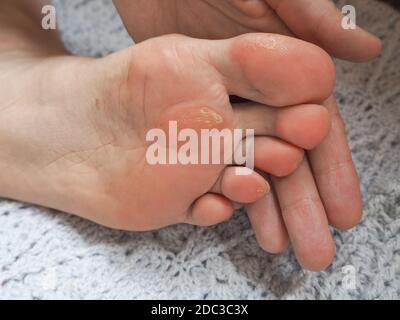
274,69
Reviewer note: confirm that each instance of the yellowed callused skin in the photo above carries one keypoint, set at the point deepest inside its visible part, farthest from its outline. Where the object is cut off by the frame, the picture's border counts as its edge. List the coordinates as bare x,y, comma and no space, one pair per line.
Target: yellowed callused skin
197,118
203,118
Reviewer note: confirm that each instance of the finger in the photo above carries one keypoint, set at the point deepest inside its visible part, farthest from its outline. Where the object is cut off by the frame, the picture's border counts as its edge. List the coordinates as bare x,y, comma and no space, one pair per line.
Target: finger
269,227
320,22
336,176
210,209
262,16
304,126
305,218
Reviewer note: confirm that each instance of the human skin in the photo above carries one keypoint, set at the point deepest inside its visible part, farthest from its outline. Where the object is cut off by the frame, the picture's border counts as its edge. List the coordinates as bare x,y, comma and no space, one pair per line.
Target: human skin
72,129
325,188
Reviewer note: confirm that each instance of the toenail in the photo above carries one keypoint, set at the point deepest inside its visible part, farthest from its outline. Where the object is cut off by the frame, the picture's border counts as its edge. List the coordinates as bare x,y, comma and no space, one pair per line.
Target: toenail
263,190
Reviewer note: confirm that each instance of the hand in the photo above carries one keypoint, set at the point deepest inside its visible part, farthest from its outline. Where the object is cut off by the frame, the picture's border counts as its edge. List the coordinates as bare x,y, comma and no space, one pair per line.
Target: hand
316,21
325,188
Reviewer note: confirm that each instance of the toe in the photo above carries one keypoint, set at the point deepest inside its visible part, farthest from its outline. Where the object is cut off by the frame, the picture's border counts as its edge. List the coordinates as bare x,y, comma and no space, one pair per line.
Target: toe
304,125
276,157
241,188
274,69
210,209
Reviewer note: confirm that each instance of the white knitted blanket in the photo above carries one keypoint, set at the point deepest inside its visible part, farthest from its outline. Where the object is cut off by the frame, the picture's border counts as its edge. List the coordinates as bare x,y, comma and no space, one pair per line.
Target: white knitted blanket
46,254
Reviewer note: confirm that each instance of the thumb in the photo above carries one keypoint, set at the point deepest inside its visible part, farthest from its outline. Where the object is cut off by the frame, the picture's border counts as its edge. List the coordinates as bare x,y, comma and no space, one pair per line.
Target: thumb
320,22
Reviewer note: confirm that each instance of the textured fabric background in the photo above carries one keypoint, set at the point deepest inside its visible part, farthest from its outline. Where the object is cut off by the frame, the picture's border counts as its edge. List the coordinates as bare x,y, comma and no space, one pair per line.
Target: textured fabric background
47,254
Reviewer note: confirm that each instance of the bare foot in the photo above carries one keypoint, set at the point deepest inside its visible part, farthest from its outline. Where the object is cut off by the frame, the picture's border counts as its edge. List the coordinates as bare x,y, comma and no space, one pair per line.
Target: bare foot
73,129
326,187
